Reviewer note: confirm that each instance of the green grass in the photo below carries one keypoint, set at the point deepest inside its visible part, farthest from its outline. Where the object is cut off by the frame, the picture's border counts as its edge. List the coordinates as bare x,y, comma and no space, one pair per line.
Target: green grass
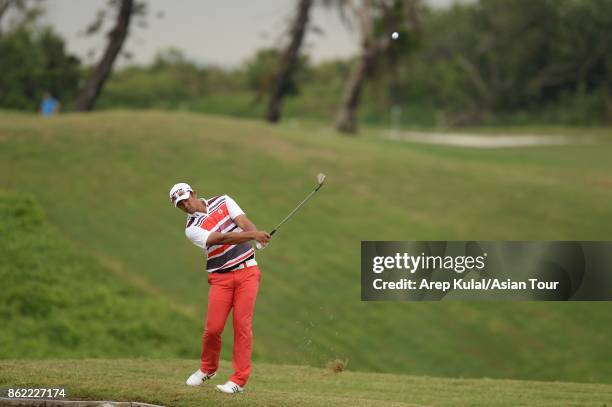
57,302
162,382
103,180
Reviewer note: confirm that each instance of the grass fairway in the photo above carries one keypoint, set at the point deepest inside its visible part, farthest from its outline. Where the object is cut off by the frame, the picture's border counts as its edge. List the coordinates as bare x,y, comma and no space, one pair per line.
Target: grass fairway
162,382
103,180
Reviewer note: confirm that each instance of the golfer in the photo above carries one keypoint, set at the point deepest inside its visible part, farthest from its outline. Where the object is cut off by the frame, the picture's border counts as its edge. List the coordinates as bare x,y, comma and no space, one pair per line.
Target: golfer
220,228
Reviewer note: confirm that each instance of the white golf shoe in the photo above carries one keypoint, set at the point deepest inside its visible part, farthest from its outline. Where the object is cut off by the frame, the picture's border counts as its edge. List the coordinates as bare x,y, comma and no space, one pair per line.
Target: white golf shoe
229,387
199,377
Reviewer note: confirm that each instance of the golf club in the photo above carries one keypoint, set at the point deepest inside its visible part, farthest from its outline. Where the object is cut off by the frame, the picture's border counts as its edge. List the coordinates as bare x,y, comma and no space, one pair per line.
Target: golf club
320,181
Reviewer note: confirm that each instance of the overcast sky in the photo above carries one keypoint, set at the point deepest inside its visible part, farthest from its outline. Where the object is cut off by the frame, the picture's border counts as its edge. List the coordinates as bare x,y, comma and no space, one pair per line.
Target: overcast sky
218,32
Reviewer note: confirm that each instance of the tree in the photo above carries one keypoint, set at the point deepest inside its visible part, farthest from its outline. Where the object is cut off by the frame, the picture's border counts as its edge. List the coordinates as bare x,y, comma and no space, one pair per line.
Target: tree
288,61
33,59
259,73
503,56
86,100
377,20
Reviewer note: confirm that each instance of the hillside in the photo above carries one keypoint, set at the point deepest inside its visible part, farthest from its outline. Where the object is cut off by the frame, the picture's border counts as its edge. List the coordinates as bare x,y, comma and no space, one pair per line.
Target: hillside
162,382
57,302
103,180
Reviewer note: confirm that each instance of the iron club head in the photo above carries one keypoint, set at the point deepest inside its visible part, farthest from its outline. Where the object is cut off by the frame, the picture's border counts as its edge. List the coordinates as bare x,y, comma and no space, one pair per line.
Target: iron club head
321,178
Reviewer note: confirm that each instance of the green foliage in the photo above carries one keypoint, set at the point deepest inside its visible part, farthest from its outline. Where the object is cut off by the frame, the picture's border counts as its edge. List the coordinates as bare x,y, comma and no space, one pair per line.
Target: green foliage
32,63
489,62
482,62
58,302
511,56
174,82
260,72
171,82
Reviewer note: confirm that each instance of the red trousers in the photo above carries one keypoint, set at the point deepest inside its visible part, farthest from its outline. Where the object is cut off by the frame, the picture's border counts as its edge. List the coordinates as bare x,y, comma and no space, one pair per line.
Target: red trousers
237,290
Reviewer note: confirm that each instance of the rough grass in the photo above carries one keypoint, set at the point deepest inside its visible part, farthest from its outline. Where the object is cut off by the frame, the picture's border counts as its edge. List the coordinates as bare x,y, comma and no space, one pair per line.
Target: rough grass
57,302
163,382
103,179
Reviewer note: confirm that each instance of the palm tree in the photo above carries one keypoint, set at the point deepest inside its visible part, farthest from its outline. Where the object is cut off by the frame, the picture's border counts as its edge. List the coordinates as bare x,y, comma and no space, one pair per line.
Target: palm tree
86,99
376,20
288,61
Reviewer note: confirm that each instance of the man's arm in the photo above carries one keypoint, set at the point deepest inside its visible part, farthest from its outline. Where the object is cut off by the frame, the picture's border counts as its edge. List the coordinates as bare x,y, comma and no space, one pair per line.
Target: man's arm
244,223
216,238
249,232
203,238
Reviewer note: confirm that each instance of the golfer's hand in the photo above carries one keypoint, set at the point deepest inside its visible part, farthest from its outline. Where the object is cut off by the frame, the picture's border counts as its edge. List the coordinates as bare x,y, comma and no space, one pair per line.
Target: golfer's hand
262,237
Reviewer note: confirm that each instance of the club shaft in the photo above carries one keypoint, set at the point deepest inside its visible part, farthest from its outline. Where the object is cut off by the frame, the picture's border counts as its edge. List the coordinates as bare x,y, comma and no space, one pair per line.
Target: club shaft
295,210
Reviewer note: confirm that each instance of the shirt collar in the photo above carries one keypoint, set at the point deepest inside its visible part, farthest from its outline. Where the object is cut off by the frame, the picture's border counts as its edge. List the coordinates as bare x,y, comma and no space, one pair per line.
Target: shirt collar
201,213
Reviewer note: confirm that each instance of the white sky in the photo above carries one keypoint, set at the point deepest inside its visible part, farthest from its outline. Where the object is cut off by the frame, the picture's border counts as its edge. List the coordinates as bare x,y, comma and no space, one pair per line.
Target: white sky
217,32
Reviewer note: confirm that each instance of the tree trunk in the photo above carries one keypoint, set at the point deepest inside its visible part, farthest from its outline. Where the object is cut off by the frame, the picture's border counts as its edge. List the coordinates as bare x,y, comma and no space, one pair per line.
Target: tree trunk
288,61
372,48
346,120
88,95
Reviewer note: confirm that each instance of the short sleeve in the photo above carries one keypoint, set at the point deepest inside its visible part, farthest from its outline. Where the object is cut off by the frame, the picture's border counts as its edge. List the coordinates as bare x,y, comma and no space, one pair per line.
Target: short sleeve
233,208
197,235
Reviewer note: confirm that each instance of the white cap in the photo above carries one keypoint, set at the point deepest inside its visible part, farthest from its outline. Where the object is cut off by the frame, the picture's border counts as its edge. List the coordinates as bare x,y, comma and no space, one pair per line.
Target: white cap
179,192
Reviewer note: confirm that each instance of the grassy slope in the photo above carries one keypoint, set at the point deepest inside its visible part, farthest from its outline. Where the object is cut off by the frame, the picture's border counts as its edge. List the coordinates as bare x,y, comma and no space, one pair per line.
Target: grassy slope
162,382
103,179
57,302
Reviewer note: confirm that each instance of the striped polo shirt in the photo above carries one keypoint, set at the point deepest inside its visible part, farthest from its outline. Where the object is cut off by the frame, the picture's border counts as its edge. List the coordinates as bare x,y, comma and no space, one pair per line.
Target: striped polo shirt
219,217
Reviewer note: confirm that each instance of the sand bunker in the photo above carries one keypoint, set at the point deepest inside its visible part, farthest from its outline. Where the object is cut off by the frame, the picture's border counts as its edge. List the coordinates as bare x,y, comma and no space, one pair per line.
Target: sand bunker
487,140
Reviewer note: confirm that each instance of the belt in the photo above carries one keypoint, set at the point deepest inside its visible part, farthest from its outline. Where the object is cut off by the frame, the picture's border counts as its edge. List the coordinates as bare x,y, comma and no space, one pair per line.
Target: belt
250,262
